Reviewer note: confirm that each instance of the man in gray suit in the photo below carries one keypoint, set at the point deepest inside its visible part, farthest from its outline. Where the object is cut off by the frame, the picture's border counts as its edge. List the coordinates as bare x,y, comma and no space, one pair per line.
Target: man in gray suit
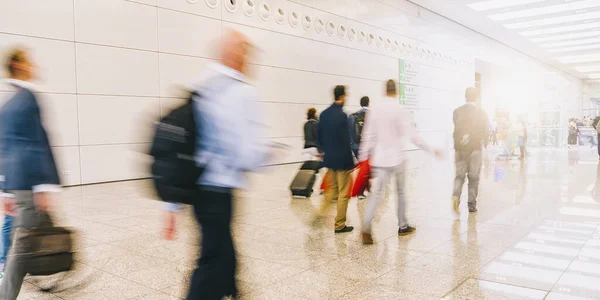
27,167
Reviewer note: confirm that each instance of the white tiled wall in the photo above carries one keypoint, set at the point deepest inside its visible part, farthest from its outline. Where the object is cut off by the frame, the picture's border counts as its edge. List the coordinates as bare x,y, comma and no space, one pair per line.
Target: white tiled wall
109,68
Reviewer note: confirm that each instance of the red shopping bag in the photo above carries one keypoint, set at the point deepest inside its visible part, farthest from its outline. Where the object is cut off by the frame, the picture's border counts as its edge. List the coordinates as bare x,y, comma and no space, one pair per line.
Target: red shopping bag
362,178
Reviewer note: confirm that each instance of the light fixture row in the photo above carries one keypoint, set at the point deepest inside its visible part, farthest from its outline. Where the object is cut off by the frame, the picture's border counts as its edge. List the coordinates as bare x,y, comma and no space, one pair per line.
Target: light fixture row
321,26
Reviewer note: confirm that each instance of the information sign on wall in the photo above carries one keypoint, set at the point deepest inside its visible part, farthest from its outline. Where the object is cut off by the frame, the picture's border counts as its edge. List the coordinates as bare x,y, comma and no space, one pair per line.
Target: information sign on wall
408,71
408,95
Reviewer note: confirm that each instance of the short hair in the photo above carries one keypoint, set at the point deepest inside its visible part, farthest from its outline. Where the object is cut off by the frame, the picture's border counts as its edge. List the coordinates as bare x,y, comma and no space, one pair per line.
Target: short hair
16,55
338,92
364,101
471,94
390,87
312,112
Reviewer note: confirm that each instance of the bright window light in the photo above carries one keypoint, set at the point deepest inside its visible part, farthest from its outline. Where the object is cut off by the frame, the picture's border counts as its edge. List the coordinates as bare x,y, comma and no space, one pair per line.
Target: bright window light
579,58
561,29
553,9
587,69
576,48
594,76
555,20
495,4
571,43
566,37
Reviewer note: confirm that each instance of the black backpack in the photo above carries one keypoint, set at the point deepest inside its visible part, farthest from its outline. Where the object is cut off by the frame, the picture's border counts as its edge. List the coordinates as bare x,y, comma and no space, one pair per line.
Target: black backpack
174,170
359,123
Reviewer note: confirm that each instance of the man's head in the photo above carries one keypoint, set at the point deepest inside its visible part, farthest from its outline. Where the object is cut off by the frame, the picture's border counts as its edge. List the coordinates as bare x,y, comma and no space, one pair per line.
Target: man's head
339,94
312,113
390,88
364,101
19,65
235,49
471,94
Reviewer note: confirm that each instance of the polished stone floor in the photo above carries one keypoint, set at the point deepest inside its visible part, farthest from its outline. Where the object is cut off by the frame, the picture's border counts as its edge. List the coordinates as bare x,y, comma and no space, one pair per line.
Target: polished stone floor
536,236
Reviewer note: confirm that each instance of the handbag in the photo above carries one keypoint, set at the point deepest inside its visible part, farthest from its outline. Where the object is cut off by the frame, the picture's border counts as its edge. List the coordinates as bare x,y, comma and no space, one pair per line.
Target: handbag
362,178
47,250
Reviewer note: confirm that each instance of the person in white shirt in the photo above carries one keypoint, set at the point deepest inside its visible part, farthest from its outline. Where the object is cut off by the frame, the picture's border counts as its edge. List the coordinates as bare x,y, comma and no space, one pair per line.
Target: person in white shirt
387,127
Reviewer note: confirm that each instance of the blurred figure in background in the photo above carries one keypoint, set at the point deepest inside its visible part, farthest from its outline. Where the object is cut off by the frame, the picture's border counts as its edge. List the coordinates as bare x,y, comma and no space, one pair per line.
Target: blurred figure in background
470,133
573,130
228,146
27,165
311,143
596,125
494,132
356,121
522,138
334,138
387,127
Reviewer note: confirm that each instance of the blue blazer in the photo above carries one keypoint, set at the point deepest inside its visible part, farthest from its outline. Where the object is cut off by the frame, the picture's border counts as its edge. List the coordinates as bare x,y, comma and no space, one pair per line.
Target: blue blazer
334,139
26,159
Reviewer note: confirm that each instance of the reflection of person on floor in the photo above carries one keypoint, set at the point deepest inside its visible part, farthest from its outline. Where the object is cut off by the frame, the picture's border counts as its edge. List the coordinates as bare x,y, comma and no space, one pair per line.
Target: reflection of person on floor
26,163
387,127
228,147
470,133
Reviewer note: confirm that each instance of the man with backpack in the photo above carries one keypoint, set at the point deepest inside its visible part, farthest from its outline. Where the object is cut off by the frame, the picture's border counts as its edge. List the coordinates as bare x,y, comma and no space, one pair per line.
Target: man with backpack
470,133
227,145
356,121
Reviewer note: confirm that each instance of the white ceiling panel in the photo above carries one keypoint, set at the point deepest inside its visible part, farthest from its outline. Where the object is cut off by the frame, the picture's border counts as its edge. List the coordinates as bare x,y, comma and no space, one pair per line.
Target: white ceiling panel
561,33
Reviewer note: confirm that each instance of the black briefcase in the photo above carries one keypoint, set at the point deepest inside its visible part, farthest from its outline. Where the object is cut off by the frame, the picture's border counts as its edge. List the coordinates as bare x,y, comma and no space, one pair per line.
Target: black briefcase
46,251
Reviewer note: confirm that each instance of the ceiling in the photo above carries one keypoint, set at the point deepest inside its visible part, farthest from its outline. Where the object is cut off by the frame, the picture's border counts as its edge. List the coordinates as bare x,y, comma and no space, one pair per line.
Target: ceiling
561,33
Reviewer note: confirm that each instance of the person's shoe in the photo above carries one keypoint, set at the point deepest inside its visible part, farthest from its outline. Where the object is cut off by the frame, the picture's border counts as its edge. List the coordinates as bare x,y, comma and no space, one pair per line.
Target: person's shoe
367,238
362,196
345,229
406,230
456,204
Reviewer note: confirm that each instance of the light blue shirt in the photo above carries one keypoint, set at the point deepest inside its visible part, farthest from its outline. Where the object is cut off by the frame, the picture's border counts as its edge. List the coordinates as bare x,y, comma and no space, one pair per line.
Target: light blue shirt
229,142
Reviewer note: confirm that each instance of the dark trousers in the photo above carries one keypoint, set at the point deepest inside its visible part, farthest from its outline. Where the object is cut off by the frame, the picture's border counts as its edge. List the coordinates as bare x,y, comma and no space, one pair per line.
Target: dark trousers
214,278
28,217
468,164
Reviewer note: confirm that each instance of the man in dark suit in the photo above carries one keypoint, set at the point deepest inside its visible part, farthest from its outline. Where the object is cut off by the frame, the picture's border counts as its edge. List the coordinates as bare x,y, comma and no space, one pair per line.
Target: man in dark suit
471,132
334,138
27,166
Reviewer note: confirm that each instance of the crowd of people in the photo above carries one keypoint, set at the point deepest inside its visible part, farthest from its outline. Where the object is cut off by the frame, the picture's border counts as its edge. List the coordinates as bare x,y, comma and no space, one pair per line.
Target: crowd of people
227,143
377,136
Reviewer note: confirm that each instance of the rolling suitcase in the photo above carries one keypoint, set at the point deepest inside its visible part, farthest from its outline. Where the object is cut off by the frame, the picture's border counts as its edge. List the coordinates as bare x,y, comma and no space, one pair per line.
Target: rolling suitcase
314,165
302,185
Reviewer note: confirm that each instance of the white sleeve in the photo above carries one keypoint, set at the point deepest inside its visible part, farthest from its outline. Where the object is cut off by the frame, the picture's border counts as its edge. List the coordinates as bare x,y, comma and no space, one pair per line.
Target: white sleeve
254,152
368,137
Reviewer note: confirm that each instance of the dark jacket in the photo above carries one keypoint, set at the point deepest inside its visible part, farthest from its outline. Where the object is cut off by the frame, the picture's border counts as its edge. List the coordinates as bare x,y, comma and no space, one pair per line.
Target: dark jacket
471,121
310,134
334,139
26,159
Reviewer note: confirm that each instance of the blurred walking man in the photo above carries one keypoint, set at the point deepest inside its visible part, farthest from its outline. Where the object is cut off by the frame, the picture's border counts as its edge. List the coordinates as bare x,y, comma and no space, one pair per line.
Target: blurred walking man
228,146
26,164
334,138
387,126
471,131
